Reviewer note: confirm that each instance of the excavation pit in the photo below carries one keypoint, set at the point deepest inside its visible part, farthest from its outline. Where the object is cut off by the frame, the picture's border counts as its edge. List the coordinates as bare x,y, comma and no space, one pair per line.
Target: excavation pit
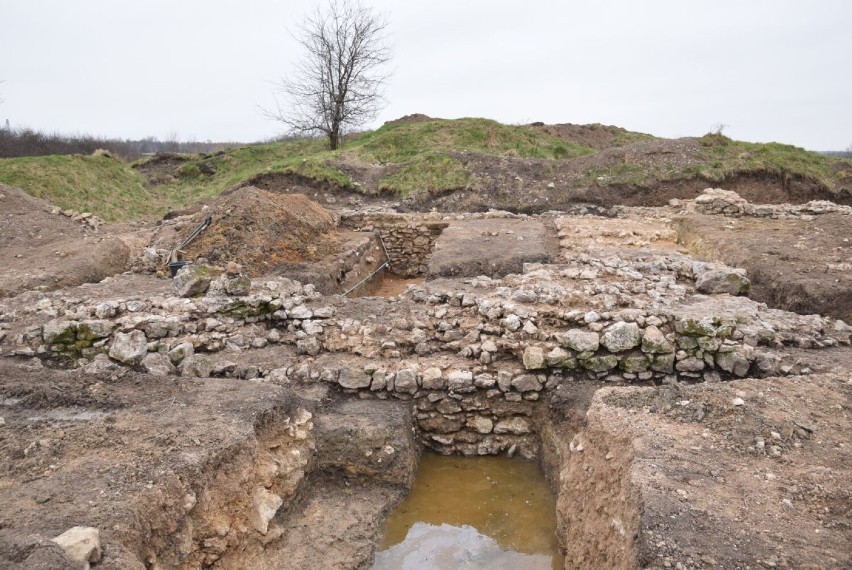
387,284
481,512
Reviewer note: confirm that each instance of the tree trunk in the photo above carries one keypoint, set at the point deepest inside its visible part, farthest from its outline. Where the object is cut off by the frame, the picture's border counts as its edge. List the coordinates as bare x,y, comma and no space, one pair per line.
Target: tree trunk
333,140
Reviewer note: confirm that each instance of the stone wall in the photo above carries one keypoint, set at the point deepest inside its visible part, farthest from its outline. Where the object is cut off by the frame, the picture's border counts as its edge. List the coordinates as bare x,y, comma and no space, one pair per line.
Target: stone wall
728,203
409,241
474,358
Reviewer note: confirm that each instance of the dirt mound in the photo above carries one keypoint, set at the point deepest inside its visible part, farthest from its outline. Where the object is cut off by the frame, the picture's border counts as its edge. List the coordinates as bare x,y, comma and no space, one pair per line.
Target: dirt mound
413,118
595,136
261,230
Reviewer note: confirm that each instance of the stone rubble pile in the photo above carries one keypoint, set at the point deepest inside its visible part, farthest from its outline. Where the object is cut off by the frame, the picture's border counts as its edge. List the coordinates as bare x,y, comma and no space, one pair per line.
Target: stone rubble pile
728,203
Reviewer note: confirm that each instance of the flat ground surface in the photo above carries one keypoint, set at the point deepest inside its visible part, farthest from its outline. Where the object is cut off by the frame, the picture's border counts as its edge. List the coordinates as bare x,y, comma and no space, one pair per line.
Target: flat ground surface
492,247
799,265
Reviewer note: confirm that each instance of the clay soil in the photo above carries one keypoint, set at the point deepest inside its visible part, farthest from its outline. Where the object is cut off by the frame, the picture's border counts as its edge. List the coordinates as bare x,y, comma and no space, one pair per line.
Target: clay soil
803,266
42,249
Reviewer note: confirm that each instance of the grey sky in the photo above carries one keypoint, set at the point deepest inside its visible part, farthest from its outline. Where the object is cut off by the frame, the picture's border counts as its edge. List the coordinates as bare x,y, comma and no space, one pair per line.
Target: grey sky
770,70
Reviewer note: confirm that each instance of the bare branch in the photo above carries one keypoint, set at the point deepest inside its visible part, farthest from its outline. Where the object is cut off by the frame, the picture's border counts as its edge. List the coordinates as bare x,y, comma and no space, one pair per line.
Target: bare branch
338,82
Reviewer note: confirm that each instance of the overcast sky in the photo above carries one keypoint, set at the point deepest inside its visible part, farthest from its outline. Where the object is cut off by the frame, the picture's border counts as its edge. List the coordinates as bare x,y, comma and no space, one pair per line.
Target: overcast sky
768,69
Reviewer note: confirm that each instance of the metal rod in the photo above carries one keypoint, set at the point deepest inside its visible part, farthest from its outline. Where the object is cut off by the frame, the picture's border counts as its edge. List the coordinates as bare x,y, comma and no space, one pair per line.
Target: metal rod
367,278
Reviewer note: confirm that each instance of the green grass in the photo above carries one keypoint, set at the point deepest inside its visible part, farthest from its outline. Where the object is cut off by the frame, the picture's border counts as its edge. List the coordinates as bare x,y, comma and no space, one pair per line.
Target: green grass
425,154
720,158
427,174
102,185
724,157
402,142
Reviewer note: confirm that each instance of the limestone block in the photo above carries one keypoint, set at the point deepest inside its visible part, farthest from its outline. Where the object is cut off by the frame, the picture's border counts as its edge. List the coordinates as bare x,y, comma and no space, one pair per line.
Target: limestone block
129,348
460,381
654,342
81,543
526,383
406,381
433,379
265,505
730,281
353,378
158,364
621,336
192,279
581,341
515,425
534,358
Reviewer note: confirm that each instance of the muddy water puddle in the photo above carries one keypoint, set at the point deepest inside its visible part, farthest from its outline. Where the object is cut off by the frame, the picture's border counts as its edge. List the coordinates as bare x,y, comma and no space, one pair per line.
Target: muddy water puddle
389,285
483,513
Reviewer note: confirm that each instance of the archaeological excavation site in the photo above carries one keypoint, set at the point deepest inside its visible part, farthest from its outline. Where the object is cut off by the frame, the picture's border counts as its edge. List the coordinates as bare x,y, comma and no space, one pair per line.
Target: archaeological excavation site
542,363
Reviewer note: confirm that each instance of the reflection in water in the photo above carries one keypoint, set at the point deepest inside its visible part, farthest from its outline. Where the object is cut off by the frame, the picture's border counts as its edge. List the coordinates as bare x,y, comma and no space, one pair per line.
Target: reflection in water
482,512
448,547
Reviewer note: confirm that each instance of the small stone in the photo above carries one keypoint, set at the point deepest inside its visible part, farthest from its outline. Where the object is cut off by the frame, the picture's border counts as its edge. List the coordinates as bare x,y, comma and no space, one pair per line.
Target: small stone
233,268
81,544
621,336
581,341
512,322
534,358
353,378
129,348
433,379
738,402
460,381
266,505
526,383
193,279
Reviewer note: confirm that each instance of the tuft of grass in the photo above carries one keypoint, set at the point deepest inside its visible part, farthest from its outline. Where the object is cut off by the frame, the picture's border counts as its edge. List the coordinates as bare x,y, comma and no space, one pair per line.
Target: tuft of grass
100,184
427,174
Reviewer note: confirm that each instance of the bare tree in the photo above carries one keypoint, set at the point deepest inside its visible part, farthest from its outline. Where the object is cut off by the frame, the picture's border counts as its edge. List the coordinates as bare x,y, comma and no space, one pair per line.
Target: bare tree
338,81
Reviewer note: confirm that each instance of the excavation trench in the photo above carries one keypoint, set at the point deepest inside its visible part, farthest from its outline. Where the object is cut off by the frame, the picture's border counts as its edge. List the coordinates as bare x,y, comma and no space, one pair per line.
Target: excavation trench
362,462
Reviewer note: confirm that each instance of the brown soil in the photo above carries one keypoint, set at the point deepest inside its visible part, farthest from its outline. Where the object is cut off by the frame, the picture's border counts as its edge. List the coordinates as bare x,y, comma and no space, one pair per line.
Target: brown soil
45,250
799,265
262,230
595,136
162,168
536,185
684,476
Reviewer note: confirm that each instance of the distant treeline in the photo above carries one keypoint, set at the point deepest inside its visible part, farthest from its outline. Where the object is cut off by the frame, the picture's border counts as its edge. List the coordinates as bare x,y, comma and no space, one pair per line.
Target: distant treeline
839,153
27,142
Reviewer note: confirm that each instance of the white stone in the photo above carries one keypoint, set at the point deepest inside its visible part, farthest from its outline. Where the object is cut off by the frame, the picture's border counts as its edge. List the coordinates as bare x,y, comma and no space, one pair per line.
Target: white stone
621,336
81,544
129,348
265,505
516,425
433,379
